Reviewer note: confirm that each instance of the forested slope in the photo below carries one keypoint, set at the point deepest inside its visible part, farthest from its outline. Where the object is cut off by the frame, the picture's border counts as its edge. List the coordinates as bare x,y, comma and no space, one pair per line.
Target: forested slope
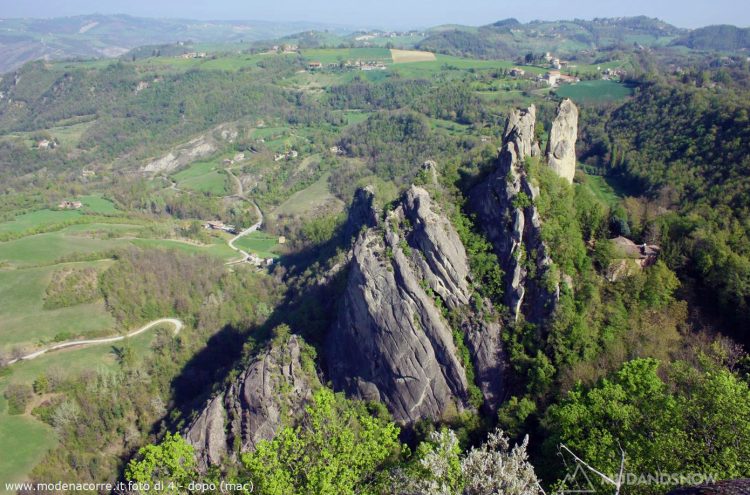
688,149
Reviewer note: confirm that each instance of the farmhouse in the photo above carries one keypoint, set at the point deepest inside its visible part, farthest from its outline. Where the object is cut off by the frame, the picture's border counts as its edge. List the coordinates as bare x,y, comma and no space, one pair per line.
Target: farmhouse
517,72
70,205
552,77
314,65
372,66
285,156
630,257
564,78
216,225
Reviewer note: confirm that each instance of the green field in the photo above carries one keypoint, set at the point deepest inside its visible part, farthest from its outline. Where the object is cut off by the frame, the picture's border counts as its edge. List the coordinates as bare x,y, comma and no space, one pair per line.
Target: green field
204,176
24,439
259,243
447,63
607,190
356,116
218,247
94,203
597,91
308,200
38,218
23,319
335,55
48,248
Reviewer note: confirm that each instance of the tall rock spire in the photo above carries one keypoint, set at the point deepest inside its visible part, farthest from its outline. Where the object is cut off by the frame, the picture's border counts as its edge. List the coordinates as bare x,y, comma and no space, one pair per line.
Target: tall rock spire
561,147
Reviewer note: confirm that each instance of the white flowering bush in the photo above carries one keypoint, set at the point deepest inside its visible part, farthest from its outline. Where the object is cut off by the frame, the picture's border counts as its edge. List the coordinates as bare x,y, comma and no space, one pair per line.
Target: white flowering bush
491,469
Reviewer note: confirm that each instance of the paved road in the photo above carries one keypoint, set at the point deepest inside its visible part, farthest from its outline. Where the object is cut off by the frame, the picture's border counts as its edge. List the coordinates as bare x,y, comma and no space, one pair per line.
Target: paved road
252,228
241,195
106,340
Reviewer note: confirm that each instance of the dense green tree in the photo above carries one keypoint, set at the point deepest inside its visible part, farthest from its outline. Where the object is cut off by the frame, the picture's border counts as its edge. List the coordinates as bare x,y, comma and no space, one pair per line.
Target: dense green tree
695,423
338,447
171,463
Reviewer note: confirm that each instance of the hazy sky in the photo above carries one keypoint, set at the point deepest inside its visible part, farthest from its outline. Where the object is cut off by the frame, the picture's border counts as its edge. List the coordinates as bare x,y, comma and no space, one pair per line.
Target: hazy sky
395,13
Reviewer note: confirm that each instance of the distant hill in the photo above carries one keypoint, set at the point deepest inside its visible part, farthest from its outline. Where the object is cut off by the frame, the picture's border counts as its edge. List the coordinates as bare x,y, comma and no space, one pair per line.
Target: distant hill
722,38
93,36
509,37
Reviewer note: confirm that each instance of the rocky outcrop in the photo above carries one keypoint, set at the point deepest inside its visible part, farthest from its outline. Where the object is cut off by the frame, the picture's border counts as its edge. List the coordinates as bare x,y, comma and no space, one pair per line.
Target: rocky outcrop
198,148
191,151
483,339
442,263
270,393
362,213
504,206
390,342
561,147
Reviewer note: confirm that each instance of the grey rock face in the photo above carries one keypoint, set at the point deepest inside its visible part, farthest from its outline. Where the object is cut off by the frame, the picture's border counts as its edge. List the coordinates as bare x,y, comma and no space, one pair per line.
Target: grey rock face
511,225
561,147
363,211
484,341
390,342
267,395
443,263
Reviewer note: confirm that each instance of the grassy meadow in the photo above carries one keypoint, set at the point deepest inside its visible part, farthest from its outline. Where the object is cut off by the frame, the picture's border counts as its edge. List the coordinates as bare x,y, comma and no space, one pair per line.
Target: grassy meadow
596,91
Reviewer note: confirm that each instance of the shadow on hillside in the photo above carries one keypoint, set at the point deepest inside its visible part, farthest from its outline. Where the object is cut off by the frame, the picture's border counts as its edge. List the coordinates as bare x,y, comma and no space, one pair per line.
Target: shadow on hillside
307,308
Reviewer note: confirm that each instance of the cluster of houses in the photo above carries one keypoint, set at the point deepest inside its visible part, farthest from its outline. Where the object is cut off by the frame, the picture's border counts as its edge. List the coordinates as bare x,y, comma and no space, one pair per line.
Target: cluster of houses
239,157
257,261
69,205
555,77
610,74
217,225
366,37
349,65
284,49
285,156
47,144
190,55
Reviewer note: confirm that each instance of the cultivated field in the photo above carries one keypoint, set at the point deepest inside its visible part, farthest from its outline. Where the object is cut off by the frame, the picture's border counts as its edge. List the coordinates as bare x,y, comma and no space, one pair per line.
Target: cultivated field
259,243
406,56
309,201
204,176
595,91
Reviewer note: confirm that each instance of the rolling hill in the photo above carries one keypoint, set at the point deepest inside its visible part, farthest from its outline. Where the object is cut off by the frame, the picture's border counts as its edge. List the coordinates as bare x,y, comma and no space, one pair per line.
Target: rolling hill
94,36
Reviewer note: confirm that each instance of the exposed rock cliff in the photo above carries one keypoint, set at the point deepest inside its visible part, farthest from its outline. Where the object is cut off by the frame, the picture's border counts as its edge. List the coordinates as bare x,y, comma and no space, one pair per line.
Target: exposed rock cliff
504,205
391,342
200,147
267,395
561,147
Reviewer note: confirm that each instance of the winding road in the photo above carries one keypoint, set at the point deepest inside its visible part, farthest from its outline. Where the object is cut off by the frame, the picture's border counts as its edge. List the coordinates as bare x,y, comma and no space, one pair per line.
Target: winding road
177,324
245,255
105,340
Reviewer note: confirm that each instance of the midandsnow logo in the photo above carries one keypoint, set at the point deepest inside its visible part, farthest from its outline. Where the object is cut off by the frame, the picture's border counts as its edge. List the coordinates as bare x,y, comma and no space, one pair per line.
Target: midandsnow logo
578,478
577,481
